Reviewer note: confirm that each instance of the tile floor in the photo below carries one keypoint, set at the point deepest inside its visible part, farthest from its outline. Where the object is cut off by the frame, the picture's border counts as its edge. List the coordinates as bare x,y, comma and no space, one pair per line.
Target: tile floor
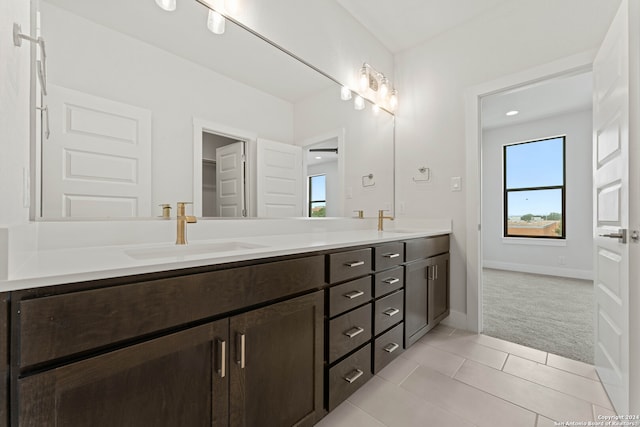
456,378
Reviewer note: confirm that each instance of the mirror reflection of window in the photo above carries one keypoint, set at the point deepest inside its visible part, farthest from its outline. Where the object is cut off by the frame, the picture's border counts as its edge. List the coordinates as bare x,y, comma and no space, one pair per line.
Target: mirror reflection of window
318,196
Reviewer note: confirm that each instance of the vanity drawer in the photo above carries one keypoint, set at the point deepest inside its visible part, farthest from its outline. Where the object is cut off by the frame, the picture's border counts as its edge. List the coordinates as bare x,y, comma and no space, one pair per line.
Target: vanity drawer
349,375
349,331
387,347
388,281
56,326
388,311
349,295
426,247
388,255
349,265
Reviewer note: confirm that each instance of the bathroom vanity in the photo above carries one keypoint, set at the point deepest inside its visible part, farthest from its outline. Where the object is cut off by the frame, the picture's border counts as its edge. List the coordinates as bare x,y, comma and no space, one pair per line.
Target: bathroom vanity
271,341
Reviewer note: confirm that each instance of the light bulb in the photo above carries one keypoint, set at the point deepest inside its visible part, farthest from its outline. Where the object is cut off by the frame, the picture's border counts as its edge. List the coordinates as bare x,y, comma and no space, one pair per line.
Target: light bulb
345,93
168,5
393,99
215,22
384,87
375,109
364,78
358,103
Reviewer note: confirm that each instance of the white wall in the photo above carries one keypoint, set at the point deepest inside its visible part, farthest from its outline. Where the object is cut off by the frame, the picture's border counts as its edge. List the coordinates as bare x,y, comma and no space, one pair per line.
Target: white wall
14,112
321,32
432,79
531,255
109,64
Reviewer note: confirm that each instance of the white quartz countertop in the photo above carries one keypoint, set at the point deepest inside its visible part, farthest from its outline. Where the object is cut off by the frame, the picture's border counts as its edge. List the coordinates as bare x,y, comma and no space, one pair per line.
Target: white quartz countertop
52,266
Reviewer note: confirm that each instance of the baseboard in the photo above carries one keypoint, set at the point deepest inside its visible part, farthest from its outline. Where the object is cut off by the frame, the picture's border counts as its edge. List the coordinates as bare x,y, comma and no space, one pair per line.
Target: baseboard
540,269
456,319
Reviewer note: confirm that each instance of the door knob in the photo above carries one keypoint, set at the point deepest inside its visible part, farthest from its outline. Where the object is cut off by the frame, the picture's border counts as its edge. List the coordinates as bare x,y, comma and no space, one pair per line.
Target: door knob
621,235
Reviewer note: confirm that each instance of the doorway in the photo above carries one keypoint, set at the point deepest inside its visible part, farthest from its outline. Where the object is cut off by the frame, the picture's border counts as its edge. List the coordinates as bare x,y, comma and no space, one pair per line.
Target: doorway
223,176
536,264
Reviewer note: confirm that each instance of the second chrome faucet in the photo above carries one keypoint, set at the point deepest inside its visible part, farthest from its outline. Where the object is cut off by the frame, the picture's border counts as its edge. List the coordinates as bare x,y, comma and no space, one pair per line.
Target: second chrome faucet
183,220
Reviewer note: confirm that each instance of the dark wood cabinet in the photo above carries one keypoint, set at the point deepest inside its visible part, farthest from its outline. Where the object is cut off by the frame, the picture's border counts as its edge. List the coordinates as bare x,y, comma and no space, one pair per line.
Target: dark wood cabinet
178,379
277,364
4,360
416,316
426,286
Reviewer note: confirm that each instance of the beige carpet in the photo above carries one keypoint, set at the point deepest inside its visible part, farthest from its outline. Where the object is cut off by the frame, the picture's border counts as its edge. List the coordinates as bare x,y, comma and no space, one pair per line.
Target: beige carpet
552,314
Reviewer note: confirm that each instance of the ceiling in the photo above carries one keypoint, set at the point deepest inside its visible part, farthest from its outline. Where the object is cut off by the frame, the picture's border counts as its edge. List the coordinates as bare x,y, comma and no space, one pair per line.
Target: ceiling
402,24
537,101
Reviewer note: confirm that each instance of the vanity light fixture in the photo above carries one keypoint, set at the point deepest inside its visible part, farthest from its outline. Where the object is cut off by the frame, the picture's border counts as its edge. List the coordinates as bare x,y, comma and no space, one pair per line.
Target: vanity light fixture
358,103
216,22
364,77
512,113
345,93
168,5
393,100
376,87
384,87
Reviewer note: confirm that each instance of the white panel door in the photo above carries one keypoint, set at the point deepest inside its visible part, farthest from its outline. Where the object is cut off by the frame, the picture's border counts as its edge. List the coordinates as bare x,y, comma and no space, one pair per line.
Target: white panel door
611,163
97,160
230,170
279,179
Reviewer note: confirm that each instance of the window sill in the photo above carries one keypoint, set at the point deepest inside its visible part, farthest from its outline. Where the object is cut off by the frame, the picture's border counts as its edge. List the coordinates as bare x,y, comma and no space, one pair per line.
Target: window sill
533,241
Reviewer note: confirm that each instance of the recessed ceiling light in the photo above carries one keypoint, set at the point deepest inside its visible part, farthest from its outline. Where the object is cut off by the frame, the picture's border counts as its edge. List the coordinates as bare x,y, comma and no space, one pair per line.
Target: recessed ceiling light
512,112
318,158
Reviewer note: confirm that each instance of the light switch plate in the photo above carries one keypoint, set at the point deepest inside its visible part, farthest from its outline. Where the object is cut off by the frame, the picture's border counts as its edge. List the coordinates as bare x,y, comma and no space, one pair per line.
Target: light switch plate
456,183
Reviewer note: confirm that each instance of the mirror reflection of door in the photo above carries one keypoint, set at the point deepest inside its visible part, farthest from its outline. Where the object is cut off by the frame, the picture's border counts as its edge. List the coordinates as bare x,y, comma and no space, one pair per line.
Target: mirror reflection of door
223,176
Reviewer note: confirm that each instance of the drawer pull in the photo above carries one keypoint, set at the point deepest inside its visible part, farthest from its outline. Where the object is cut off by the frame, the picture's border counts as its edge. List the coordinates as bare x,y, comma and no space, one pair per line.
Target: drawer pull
353,294
354,263
222,354
391,255
357,373
391,347
391,281
354,332
391,312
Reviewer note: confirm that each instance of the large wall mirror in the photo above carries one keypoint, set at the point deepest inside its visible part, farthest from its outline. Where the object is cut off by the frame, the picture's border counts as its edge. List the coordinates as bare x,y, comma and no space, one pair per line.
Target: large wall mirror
146,107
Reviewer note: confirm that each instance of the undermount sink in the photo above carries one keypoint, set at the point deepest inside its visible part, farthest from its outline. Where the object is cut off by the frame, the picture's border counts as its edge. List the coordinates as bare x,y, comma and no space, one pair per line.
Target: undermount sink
191,249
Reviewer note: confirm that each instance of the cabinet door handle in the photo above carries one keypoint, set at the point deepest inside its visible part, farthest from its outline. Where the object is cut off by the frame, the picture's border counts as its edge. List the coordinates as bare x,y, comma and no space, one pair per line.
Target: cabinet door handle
436,273
391,281
391,312
222,354
391,255
241,343
354,264
431,272
353,294
357,373
391,347
354,332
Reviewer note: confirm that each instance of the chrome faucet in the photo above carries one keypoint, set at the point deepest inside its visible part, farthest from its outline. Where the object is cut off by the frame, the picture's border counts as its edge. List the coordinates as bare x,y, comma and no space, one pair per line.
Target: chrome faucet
381,219
183,220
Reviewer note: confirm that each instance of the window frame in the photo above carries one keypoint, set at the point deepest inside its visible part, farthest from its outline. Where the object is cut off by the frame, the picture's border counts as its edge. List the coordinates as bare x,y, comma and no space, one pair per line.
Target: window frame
310,199
562,188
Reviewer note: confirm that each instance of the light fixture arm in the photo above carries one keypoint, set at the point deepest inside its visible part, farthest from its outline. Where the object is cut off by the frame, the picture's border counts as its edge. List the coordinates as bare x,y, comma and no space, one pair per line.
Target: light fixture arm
18,36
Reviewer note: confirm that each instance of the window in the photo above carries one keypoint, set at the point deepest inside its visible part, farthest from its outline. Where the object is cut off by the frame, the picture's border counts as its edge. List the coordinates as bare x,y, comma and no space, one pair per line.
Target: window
534,189
318,195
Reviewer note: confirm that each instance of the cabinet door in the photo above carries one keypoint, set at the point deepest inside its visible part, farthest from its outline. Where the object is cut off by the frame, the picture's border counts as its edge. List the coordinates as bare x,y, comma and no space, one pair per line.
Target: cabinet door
438,289
176,380
416,319
4,361
277,361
